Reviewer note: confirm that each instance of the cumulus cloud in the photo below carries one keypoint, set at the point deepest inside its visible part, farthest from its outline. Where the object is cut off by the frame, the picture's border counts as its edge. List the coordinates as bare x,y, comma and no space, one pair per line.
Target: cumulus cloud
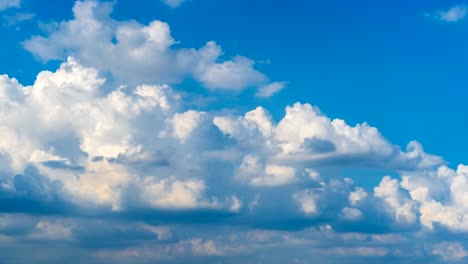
130,148
453,14
402,207
441,196
306,136
83,154
136,53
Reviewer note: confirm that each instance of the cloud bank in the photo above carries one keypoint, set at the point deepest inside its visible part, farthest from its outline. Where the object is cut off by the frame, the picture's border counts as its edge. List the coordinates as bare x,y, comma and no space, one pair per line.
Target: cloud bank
131,173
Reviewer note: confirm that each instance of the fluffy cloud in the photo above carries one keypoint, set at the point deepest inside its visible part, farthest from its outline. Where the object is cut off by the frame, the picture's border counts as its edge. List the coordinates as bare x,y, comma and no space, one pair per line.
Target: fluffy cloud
440,195
306,137
131,173
402,207
136,53
125,148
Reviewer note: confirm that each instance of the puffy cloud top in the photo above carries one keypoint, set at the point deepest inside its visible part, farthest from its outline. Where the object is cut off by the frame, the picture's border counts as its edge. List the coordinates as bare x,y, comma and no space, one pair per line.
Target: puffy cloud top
136,53
140,147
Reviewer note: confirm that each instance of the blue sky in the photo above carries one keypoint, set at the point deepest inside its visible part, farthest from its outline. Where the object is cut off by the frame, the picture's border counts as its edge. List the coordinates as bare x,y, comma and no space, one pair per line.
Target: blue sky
142,131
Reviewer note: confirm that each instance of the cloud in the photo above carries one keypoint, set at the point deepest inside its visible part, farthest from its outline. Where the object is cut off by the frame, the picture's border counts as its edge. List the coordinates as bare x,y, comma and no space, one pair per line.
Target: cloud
270,89
441,196
235,74
453,14
18,18
403,208
119,149
173,3
134,53
6,4
450,251
120,168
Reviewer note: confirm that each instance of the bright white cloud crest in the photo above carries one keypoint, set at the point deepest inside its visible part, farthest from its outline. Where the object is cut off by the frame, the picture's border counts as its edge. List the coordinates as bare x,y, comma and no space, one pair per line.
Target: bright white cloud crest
143,137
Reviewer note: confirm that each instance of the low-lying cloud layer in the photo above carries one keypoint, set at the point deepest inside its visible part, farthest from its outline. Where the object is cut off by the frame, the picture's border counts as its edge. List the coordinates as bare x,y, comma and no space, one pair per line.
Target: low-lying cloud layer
131,174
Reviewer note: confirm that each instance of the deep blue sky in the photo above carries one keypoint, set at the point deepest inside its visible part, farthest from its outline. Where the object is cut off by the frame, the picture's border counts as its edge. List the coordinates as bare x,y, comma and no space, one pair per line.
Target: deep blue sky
380,62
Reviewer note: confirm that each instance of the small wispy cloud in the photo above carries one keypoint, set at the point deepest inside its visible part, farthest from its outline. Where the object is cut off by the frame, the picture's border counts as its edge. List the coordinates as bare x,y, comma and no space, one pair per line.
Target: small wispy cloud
173,3
5,4
16,19
453,14
270,89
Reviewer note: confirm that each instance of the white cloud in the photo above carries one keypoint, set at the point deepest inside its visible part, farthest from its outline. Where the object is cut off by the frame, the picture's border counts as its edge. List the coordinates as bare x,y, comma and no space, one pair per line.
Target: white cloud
434,198
185,123
171,193
453,14
104,145
356,196
256,173
137,54
352,214
403,208
5,4
306,136
307,201
235,74
442,196
115,149
270,89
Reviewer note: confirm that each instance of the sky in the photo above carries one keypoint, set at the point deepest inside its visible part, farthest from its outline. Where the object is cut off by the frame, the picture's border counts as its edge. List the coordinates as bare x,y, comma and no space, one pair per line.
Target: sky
207,131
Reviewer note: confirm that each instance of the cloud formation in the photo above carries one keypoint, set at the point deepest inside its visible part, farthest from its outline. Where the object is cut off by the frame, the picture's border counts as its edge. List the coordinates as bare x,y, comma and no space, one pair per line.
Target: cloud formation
134,53
127,171
101,144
